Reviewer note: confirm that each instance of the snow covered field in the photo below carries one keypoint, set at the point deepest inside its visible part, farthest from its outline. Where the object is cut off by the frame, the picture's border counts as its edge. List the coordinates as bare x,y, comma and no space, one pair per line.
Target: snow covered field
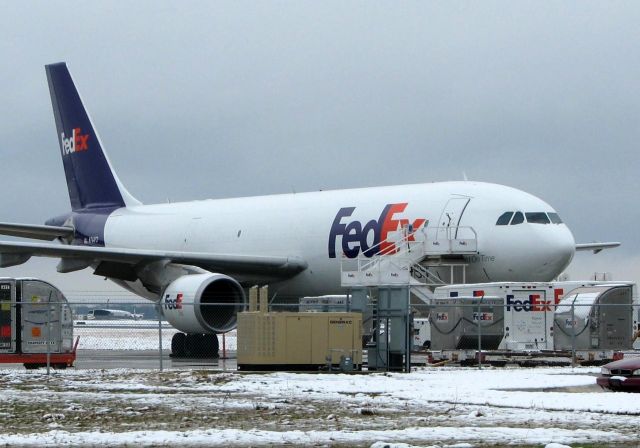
429,407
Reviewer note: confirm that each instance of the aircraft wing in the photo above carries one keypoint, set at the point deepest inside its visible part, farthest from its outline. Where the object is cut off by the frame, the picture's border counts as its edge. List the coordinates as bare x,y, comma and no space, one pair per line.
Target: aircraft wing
38,232
125,260
596,247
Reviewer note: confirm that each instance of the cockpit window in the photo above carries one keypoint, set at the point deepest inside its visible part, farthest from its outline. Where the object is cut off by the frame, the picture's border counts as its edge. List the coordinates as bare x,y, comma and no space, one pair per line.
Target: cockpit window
537,218
555,218
518,218
504,219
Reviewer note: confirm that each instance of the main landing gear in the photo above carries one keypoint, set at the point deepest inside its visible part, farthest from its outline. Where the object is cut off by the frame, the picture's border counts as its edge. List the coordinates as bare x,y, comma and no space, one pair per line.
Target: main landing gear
194,345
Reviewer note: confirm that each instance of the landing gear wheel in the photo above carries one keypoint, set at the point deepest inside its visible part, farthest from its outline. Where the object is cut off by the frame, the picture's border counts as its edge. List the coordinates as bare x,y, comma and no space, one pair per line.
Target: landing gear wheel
194,345
210,345
191,345
203,345
178,345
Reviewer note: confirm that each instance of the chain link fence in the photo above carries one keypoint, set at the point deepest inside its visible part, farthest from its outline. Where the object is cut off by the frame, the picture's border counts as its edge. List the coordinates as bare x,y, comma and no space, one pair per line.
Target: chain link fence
134,334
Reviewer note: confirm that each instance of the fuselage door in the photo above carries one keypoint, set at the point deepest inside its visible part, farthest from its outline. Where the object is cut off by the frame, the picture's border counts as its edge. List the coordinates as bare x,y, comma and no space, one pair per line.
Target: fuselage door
450,217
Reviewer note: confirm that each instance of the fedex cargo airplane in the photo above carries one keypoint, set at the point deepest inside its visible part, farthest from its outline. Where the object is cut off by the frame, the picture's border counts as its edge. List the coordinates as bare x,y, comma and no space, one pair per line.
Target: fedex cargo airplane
186,255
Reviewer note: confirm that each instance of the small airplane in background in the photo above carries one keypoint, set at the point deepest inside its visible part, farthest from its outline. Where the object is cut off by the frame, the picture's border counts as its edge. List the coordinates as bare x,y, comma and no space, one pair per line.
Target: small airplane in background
107,314
187,255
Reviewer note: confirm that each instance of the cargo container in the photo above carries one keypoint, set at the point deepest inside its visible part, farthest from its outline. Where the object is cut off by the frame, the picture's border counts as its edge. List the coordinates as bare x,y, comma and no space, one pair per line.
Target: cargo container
595,318
36,324
528,309
460,323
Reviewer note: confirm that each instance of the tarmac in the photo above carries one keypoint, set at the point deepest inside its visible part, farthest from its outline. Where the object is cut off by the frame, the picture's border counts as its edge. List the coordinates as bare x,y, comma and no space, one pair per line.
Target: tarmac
142,359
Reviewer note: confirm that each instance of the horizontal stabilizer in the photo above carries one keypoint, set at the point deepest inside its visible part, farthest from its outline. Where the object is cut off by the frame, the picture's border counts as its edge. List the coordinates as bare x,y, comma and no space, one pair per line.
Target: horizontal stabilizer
596,247
38,232
276,267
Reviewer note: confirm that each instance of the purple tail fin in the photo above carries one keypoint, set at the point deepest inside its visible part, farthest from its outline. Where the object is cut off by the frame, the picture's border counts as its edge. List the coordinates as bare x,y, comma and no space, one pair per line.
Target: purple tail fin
91,181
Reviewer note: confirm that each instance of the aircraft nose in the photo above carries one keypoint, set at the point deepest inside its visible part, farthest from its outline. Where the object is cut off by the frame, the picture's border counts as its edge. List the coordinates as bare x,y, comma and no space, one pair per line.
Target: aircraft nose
555,247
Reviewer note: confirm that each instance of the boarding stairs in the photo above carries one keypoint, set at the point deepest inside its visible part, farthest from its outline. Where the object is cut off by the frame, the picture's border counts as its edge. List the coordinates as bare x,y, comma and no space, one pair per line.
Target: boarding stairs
422,260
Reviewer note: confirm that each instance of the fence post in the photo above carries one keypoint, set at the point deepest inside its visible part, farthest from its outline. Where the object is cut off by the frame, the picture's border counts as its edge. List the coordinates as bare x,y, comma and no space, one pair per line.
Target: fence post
480,335
160,335
573,333
224,345
48,341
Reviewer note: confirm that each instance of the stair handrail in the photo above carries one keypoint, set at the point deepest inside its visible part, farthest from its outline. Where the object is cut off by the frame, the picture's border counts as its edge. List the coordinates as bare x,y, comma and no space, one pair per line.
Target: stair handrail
396,255
401,246
430,278
448,229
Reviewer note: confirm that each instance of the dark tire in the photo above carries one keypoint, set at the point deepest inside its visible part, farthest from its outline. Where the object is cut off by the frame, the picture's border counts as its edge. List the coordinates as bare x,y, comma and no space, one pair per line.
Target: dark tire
205,345
210,345
33,366
178,345
59,366
198,346
191,345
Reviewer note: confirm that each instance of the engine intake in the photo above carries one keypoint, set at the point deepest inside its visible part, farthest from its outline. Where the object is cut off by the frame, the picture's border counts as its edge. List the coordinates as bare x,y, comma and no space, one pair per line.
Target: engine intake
203,303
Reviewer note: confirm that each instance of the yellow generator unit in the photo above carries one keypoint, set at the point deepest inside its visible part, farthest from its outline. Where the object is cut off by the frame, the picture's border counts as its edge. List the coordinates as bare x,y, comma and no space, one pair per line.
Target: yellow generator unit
297,340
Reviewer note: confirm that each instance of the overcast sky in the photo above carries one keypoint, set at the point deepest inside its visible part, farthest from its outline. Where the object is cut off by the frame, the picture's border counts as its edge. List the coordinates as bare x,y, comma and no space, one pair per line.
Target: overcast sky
208,100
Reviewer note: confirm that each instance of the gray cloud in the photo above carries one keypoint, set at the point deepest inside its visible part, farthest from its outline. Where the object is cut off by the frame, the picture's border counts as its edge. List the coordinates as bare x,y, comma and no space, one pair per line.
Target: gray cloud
202,99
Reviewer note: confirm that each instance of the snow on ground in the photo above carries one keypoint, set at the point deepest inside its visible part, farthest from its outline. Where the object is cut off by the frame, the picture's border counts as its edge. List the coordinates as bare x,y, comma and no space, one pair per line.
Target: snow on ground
428,407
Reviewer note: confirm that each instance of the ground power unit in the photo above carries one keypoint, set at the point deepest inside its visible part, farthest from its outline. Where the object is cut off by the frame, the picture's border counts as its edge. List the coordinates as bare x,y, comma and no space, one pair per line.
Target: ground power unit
297,340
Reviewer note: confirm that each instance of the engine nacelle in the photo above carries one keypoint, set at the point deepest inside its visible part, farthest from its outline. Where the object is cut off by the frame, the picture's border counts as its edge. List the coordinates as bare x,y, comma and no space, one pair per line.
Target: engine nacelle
203,303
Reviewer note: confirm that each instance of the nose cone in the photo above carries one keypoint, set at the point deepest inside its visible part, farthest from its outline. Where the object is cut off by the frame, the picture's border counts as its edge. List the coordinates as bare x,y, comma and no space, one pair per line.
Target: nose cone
552,249
531,253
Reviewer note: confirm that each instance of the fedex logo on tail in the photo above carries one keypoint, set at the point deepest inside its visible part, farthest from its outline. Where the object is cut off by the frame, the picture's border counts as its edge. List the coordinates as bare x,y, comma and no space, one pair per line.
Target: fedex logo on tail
76,143
535,303
370,238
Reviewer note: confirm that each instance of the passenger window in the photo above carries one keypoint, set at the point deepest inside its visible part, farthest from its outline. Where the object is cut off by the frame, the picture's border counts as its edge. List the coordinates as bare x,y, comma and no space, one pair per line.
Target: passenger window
537,218
504,219
518,218
555,218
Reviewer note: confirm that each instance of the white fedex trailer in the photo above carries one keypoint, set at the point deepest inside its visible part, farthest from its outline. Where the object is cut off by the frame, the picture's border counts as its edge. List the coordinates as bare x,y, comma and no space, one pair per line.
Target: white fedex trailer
529,308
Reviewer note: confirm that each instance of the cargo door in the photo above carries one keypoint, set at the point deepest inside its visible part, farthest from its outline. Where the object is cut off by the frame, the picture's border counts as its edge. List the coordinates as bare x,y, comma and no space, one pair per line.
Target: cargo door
442,238
450,217
615,326
7,317
529,318
41,318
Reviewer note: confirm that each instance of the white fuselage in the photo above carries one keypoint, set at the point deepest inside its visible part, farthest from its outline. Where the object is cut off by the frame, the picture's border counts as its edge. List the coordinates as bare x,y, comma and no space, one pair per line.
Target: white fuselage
308,226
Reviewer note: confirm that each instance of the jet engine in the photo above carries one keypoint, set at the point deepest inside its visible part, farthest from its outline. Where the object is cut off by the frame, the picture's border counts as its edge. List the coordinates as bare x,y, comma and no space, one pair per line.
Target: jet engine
203,303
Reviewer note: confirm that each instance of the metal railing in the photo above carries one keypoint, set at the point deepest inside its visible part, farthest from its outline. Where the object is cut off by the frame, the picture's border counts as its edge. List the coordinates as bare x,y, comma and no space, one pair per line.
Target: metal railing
398,258
450,240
